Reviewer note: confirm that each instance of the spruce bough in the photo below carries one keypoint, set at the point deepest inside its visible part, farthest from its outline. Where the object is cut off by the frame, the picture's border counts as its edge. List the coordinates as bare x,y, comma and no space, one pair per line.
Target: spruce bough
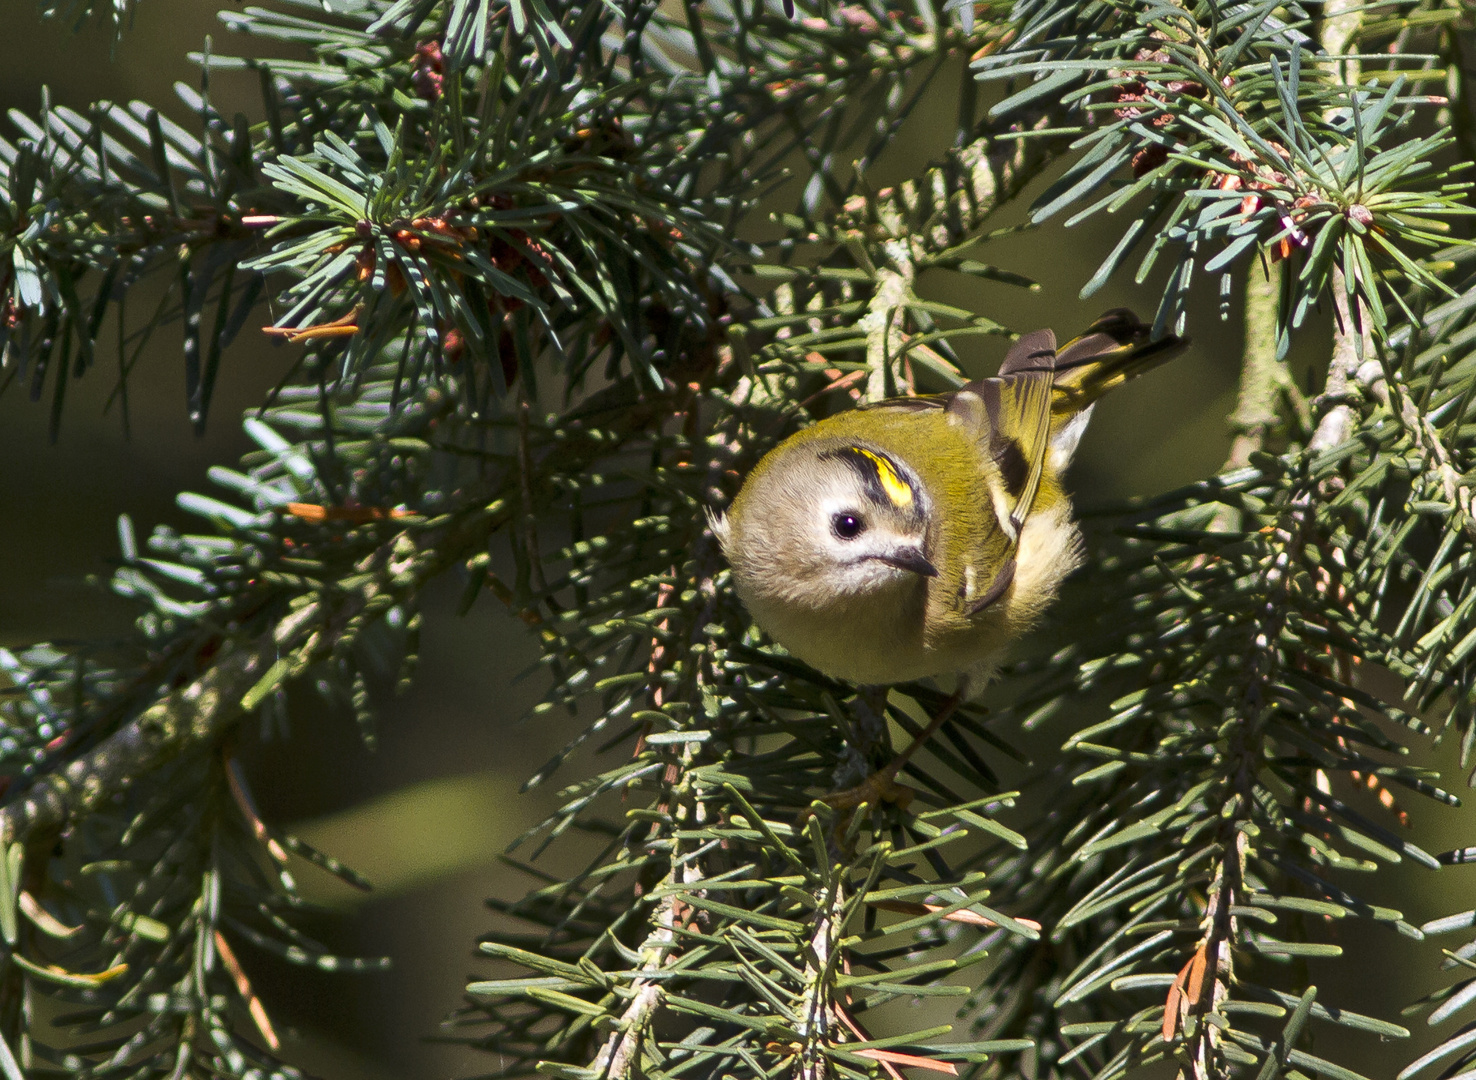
522,253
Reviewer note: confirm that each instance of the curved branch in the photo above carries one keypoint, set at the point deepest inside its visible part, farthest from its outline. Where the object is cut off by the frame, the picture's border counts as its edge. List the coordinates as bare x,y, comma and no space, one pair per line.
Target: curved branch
195,712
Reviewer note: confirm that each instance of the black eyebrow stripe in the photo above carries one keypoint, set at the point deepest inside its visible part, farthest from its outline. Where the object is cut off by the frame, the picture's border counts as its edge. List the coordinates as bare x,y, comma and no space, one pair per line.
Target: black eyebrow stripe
868,464
865,468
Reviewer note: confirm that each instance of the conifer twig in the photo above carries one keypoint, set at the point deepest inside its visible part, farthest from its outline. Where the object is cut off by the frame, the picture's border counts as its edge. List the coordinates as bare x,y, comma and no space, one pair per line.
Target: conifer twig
1263,377
193,713
1341,20
1351,365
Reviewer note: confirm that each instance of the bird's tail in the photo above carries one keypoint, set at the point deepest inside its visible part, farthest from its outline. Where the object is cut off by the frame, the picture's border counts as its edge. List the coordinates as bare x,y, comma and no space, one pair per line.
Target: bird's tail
1115,348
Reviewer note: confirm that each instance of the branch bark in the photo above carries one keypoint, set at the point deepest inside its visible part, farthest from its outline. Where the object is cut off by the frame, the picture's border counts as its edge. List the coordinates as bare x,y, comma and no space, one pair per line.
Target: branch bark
1263,377
198,711
1341,20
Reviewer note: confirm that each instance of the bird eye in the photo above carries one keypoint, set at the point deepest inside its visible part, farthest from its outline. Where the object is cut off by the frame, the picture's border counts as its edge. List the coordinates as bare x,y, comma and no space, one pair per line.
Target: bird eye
847,526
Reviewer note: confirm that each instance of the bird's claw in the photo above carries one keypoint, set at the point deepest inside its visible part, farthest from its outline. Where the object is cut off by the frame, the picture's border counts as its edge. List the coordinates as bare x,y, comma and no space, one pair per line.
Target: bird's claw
878,788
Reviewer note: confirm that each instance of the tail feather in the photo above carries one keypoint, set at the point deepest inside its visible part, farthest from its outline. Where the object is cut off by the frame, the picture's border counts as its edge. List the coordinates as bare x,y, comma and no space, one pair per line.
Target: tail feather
1115,348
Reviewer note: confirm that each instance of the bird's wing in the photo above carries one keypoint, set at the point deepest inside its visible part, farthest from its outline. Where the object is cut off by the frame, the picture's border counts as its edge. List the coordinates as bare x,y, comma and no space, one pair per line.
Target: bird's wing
1010,415
1020,423
1019,442
1115,348
1031,352
1010,418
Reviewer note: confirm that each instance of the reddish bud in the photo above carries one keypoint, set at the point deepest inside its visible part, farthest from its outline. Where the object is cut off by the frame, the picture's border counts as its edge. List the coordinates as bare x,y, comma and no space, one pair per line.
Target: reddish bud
858,17
428,74
1149,158
454,345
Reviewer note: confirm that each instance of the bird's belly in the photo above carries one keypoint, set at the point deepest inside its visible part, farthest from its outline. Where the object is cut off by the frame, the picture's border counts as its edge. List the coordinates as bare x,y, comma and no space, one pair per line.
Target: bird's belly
870,639
882,640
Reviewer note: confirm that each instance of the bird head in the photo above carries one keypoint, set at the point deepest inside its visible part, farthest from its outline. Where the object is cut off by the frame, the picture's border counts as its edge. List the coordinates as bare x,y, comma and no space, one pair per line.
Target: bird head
823,523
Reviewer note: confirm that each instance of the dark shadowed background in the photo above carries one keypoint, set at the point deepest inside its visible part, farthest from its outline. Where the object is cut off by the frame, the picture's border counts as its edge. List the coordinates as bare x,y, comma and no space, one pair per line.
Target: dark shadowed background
426,814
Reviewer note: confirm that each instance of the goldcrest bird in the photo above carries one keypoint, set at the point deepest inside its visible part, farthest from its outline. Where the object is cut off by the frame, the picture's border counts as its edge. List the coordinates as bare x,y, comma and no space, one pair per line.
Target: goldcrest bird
919,536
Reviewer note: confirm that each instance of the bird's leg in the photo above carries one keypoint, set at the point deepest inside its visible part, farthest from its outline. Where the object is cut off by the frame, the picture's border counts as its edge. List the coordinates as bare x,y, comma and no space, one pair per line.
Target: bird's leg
868,736
881,786
866,740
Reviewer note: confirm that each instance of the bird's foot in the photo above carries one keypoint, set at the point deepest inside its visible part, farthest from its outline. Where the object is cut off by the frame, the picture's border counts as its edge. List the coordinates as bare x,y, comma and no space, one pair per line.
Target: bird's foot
879,787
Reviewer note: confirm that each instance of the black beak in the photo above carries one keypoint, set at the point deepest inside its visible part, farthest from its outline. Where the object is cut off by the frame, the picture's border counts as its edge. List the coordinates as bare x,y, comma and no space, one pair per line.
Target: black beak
910,558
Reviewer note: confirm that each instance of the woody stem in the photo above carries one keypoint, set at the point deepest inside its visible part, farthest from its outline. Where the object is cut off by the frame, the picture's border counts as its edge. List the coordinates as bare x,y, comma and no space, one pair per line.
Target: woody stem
939,719
1262,374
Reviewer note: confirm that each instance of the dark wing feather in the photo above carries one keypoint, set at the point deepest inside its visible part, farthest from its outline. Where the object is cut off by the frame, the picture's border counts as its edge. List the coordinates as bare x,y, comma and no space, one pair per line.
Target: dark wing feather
1002,582
1019,408
1035,351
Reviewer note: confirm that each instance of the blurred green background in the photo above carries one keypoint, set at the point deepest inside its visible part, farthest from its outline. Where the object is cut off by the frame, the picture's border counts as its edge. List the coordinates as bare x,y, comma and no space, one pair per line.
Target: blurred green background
425,816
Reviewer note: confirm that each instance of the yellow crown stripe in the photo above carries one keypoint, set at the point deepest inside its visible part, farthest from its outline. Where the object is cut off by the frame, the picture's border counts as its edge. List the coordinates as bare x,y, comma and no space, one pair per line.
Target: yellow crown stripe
897,489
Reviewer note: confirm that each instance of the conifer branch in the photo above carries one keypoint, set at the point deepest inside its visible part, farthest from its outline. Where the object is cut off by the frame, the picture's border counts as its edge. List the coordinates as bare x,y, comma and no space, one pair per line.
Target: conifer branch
1350,367
191,715
198,714
469,216
1263,378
